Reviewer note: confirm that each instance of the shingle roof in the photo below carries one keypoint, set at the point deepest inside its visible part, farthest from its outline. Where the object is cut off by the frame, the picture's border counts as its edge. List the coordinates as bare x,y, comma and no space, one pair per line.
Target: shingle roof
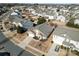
67,33
70,33
26,53
12,48
2,38
27,24
45,28
69,44
15,19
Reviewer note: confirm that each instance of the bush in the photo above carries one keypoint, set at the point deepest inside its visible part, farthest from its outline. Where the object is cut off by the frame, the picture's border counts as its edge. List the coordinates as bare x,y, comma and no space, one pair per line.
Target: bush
76,52
20,29
52,42
72,25
41,20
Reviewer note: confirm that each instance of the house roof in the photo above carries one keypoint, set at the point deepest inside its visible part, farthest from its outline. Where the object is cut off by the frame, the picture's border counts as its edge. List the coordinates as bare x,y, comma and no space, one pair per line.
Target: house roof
27,24
61,17
9,46
68,33
69,44
12,48
14,13
16,19
76,21
2,37
45,29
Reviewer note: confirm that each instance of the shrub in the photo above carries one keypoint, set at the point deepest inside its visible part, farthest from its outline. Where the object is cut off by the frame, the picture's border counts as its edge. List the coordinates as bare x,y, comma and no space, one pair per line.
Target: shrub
41,20
72,25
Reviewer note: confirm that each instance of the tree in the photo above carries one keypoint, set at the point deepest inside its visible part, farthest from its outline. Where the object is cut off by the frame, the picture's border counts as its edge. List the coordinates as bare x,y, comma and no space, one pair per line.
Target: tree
20,29
71,23
41,20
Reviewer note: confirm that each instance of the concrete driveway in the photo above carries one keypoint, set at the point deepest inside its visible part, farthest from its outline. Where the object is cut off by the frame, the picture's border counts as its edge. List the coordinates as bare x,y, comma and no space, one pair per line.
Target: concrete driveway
52,51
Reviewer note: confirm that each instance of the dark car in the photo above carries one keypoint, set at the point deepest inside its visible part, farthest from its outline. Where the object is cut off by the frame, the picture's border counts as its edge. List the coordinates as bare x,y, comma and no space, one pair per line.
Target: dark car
57,48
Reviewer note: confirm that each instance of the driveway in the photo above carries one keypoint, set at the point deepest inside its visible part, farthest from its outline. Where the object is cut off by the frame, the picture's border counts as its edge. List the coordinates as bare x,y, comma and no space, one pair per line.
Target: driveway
52,51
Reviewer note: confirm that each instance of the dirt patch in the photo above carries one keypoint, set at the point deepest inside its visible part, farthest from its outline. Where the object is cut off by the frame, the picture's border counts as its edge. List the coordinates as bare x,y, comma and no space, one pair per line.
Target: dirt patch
19,37
43,46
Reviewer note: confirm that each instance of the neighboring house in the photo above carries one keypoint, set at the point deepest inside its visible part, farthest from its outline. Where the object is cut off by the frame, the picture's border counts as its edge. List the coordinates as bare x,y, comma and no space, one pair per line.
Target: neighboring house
13,14
66,37
76,21
51,17
27,24
61,18
43,31
16,13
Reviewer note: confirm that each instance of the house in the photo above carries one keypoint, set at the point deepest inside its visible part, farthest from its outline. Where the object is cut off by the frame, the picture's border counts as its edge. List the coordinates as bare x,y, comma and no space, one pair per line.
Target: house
51,17
16,14
66,37
76,21
26,24
61,18
17,11
43,31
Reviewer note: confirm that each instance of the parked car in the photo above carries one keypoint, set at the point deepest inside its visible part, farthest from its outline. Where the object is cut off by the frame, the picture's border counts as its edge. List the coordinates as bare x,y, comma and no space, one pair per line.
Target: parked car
57,48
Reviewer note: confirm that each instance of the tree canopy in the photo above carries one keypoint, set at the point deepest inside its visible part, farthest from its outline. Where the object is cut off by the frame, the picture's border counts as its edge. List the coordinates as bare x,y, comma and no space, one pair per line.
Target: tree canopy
41,20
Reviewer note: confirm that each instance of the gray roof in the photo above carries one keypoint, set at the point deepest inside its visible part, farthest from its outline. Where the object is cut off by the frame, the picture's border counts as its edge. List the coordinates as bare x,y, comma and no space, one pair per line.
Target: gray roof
69,44
9,46
26,53
2,38
12,48
16,19
27,24
45,28
70,33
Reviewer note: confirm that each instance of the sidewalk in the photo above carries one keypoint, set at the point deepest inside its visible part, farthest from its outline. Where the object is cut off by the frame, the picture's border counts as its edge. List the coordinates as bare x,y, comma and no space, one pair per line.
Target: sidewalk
25,42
